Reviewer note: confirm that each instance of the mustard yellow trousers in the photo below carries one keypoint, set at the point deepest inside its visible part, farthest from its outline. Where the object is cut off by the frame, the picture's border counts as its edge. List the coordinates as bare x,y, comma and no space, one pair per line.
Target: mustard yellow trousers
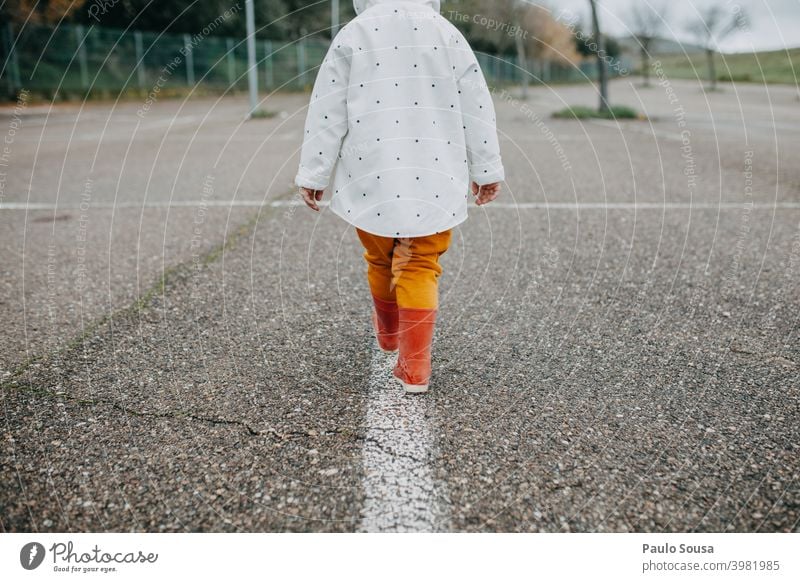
405,270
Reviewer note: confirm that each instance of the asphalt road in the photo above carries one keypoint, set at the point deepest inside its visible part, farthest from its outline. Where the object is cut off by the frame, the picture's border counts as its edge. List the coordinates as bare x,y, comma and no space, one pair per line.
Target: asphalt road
184,350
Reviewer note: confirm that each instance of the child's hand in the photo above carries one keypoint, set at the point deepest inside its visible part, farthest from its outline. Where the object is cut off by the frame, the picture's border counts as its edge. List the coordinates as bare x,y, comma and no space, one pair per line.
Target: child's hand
311,197
485,193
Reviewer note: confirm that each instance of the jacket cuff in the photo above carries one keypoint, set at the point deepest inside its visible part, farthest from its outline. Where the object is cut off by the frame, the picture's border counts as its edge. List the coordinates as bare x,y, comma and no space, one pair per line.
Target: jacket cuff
310,181
487,173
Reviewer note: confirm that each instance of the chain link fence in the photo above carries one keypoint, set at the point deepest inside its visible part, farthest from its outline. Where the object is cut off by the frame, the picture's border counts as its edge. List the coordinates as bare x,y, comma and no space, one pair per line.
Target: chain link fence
72,61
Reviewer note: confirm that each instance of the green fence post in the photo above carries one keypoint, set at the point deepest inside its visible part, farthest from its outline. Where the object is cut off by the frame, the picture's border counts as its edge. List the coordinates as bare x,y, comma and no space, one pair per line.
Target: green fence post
187,45
301,63
268,80
81,39
137,41
231,62
7,76
12,67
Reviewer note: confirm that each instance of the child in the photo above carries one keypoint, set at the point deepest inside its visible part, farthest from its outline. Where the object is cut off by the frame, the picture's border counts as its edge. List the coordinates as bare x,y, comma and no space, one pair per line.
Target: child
401,110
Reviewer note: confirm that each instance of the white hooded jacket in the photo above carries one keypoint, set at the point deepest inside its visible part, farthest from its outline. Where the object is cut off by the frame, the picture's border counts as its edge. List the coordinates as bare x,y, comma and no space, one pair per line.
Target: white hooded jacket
401,116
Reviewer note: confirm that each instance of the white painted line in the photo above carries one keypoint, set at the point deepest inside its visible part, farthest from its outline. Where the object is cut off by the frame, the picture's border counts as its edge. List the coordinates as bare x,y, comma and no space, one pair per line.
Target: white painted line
544,139
114,134
156,204
170,122
642,205
640,129
401,492
491,206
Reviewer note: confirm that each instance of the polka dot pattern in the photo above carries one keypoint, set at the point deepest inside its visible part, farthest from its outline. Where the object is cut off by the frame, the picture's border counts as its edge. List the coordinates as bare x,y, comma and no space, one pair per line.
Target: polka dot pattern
400,121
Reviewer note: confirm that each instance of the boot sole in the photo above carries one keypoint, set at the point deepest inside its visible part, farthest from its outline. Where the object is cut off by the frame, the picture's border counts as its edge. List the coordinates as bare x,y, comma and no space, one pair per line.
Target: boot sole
412,388
415,388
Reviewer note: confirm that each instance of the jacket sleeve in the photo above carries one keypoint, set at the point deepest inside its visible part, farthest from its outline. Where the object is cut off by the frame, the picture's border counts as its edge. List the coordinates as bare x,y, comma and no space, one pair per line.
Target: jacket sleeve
477,110
326,121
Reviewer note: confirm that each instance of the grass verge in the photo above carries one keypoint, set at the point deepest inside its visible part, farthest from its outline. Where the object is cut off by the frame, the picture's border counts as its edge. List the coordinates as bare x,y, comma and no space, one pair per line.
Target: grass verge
263,114
581,112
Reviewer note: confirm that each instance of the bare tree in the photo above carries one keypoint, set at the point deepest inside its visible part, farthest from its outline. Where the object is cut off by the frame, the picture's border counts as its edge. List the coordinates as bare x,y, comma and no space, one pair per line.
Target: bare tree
528,29
511,13
50,12
602,69
648,23
547,40
519,9
714,24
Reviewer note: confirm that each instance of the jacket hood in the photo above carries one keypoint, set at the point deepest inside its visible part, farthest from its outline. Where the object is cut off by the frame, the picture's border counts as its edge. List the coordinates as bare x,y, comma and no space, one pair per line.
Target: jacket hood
361,5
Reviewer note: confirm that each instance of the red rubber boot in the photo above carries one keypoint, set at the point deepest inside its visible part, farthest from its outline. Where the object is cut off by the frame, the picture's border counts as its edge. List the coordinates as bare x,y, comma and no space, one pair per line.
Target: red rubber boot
415,334
384,320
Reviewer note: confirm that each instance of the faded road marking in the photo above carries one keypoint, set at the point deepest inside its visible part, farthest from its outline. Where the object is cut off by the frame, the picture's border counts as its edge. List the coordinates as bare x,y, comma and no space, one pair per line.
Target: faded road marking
492,206
402,494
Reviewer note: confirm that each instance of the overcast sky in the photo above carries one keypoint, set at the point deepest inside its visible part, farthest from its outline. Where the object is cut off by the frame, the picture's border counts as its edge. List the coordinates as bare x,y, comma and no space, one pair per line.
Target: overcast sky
774,24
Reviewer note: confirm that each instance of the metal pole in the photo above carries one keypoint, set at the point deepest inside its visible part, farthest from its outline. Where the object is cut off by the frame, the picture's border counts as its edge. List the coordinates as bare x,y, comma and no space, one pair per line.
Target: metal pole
268,80
12,73
301,63
231,62
602,71
137,41
334,17
252,71
522,64
187,42
82,56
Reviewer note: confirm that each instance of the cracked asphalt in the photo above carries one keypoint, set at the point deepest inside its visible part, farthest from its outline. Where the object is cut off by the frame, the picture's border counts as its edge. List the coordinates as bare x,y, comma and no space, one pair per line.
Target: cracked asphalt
617,347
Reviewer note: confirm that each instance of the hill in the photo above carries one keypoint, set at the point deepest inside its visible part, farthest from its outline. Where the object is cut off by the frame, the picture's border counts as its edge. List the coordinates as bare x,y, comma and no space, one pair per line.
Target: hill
661,46
762,67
